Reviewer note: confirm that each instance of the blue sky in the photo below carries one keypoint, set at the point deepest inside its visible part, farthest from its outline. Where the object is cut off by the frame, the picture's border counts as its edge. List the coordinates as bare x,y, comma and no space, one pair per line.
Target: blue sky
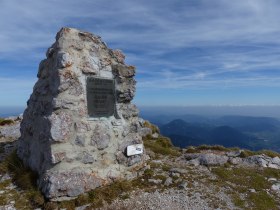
191,52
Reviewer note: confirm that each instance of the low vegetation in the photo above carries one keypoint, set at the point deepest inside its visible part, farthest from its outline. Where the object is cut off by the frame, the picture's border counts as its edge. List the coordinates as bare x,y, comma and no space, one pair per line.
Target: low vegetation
24,179
200,148
249,187
5,122
269,153
153,127
243,154
161,145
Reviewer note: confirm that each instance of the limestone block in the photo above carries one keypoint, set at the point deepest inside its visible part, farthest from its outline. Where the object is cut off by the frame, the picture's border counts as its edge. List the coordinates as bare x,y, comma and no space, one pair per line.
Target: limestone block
124,71
69,183
61,126
120,57
100,137
64,60
80,140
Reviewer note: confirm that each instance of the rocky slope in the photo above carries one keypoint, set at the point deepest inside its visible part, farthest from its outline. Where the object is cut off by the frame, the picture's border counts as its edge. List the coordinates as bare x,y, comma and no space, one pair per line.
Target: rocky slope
194,178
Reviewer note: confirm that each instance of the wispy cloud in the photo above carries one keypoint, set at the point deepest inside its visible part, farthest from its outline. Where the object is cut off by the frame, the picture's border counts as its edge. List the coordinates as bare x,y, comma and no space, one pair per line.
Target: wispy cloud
174,44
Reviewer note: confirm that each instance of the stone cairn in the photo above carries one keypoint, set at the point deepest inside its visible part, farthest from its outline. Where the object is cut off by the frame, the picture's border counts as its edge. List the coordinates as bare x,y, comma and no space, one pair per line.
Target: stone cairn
80,129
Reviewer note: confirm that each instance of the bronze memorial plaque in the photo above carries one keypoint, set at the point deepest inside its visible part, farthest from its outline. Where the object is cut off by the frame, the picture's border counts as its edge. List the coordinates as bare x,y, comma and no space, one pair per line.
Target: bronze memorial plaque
100,97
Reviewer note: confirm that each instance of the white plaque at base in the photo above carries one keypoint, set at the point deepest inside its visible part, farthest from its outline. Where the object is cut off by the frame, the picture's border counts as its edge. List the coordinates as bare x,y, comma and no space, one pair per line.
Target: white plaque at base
134,149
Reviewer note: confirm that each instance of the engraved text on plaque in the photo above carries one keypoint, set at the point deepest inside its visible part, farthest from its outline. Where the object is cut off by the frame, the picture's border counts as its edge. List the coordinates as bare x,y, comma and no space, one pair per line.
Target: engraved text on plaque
100,97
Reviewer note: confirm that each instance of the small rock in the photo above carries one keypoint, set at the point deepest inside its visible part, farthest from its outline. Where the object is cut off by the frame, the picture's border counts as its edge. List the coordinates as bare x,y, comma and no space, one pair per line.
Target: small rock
8,207
157,161
212,159
168,181
82,207
191,156
119,55
11,187
64,60
145,131
233,153
87,158
155,181
272,179
252,190
194,162
5,177
183,185
271,165
178,170
174,174
155,135
10,131
100,137
259,160
235,160
276,187
276,160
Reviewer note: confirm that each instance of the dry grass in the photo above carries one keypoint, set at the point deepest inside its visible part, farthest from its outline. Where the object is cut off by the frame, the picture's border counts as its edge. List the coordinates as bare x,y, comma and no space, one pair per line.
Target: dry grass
240,180
25,179
5,122
162,145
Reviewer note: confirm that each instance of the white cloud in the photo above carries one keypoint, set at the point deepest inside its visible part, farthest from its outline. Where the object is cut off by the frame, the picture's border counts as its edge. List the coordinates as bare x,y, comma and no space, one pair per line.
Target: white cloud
237,41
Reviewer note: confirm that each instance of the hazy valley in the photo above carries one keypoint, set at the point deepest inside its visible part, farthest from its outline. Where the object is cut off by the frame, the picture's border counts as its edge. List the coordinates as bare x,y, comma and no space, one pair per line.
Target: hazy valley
248,132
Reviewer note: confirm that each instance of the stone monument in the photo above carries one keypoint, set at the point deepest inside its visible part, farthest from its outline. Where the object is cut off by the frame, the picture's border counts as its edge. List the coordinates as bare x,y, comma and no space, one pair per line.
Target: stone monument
80,129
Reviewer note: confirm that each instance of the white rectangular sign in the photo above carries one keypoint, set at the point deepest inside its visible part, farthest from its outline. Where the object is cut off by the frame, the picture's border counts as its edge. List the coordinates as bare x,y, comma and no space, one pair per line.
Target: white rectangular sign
134,149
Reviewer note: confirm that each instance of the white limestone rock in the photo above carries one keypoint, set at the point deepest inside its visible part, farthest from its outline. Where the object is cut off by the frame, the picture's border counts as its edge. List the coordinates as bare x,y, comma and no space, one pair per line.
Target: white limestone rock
212,159
72,152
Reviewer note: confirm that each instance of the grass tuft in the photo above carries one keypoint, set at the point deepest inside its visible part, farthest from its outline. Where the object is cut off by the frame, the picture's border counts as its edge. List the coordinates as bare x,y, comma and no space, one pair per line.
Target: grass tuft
153,127
5,122
241,179
161,146
25,179
262,201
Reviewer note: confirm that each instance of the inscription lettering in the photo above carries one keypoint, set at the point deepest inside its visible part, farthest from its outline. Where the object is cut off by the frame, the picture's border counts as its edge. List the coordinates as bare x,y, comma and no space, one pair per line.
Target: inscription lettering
100,97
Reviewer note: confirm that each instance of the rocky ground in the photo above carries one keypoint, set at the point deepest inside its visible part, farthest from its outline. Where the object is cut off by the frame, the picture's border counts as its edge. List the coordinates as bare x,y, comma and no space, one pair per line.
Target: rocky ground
195,178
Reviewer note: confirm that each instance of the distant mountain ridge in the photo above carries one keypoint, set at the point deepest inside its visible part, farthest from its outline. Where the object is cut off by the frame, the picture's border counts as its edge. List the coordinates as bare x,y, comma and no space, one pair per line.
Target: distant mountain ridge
254,133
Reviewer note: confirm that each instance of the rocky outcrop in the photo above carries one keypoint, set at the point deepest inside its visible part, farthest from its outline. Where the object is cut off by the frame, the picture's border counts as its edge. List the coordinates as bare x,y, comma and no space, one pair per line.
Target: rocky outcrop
209,158
11,132
72,151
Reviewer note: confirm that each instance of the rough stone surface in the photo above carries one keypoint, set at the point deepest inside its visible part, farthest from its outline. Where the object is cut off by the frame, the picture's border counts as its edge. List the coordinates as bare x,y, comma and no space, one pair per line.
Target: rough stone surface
211,159
11,132
71,152
168,181
276,187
